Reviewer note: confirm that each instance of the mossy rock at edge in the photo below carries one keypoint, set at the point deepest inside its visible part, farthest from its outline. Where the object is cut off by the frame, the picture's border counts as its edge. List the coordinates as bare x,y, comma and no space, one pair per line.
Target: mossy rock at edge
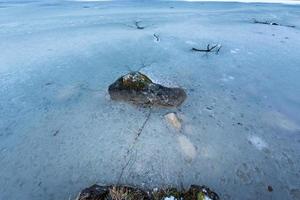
120,192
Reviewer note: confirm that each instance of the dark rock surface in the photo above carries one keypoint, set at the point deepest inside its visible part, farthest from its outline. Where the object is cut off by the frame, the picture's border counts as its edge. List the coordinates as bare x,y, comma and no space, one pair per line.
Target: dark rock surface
137,88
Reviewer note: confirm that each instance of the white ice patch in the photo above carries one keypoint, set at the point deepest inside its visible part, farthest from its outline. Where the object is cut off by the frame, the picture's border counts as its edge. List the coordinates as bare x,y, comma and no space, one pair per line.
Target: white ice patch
257,142
67,92
190,42
234,51
226,78
277,119
187,147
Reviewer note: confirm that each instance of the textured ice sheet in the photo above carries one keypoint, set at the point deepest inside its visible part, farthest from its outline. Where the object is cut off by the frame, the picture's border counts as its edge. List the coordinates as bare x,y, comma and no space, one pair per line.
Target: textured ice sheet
60,132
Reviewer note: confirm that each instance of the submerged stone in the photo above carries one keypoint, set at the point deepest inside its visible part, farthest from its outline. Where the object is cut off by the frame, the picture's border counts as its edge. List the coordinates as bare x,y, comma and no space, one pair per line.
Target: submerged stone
137,88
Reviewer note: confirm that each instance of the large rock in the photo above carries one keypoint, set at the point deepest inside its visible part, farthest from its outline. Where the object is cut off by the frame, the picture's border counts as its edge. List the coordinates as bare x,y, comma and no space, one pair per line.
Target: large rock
97,192
137,88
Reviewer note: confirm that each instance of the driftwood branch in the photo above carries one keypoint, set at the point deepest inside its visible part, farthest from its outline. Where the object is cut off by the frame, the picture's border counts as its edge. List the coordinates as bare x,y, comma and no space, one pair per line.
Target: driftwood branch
255,21
214,48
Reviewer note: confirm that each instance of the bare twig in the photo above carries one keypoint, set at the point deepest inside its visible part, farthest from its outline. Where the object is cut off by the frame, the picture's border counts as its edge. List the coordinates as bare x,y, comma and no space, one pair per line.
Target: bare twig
156,37
125,166
272,23
217,52
139,132
143,65
137,25
215,48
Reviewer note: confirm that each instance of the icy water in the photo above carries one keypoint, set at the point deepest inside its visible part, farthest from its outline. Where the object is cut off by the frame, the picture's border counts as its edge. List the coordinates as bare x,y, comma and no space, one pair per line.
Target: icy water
60,132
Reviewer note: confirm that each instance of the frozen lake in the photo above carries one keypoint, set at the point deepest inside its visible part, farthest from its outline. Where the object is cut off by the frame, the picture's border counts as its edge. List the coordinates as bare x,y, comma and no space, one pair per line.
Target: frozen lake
60,132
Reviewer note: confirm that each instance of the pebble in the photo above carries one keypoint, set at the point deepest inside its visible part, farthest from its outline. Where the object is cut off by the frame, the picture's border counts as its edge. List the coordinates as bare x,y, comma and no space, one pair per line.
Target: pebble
173,120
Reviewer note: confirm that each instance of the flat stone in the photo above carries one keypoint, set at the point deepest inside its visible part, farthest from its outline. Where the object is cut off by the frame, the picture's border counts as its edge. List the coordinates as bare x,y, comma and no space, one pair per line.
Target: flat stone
173,120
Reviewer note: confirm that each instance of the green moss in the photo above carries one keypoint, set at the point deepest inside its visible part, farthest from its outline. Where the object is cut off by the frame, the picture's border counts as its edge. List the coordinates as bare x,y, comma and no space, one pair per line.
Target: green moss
200,196
136,81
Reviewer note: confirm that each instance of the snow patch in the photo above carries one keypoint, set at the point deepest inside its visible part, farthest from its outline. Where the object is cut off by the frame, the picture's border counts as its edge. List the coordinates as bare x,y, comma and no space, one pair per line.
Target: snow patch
187,147
259,143
67,92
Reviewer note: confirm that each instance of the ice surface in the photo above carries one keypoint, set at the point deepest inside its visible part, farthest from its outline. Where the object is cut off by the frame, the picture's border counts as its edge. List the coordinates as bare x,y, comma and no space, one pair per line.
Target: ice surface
60,132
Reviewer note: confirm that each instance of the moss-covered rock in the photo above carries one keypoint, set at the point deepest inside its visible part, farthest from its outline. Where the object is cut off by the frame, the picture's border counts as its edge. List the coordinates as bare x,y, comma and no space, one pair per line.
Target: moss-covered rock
137,88
97,192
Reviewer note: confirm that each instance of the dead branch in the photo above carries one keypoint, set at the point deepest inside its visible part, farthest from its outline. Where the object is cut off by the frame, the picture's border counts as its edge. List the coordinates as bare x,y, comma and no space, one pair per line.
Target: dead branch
156,37
143,65
138,26
215,48
272,23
